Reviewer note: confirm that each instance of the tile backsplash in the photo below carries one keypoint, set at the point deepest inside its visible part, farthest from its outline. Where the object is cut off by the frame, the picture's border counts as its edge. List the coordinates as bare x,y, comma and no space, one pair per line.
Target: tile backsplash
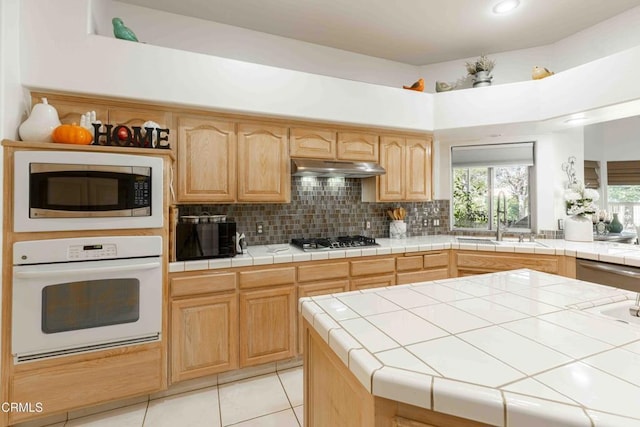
326,207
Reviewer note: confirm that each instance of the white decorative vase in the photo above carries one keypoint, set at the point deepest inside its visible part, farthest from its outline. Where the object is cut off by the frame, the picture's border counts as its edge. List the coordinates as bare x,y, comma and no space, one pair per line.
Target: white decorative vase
578,228
40,124
398,229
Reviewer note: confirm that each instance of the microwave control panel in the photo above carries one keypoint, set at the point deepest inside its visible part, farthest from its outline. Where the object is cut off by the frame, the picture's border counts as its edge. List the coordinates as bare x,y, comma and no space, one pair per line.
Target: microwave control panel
85,252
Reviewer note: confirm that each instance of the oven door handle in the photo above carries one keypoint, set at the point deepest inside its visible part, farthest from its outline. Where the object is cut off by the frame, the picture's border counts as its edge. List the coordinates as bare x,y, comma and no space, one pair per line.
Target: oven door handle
92,270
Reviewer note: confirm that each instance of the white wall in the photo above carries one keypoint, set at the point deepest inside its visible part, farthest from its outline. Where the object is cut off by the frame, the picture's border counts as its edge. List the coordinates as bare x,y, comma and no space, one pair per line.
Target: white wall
613,140
613,35
144,72
227,41
551,151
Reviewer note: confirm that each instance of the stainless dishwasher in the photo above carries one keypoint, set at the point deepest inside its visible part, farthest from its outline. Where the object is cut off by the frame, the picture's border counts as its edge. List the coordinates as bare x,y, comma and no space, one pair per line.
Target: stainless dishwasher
619,276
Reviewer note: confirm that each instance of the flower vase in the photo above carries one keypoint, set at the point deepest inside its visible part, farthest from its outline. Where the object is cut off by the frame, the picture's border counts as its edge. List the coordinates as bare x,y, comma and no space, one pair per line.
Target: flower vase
482,78
615,226
578,228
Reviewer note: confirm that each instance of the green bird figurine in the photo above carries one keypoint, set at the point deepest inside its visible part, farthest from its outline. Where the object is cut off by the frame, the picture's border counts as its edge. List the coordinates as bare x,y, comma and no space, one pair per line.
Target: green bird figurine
121,31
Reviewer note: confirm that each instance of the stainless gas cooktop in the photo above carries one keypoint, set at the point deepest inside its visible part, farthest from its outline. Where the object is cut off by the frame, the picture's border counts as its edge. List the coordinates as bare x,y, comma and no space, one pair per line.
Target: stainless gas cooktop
330,243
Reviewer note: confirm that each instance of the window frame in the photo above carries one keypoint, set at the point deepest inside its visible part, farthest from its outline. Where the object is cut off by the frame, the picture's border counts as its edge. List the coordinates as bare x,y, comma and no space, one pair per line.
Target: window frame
531,172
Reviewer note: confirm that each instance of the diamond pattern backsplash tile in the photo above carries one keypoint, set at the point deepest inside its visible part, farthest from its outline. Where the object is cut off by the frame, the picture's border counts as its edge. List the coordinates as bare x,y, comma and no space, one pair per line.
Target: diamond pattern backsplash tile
325,207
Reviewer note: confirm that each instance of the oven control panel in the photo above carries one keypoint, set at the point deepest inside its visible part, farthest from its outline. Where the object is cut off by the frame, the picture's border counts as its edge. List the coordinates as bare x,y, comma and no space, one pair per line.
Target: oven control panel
82,252
78,249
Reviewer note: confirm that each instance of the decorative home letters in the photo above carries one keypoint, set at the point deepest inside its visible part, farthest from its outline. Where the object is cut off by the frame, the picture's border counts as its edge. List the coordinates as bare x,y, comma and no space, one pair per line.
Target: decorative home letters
129,137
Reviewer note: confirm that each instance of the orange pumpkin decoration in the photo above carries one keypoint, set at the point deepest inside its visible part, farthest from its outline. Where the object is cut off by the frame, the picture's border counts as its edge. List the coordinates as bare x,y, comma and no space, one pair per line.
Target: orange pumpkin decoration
72,134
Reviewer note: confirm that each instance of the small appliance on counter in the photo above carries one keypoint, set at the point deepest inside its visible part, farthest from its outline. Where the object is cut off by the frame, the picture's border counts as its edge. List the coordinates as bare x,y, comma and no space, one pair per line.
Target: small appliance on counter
202,237
328,243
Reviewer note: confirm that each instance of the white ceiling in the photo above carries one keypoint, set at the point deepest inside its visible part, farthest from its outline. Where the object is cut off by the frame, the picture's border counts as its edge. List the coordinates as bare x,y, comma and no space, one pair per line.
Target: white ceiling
417,32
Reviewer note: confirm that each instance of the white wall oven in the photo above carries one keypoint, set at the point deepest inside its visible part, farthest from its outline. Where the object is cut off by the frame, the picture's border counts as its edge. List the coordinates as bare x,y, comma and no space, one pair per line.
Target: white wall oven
58,191
85,294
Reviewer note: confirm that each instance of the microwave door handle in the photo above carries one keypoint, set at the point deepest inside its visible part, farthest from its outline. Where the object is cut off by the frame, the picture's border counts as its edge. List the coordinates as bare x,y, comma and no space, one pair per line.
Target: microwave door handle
74,271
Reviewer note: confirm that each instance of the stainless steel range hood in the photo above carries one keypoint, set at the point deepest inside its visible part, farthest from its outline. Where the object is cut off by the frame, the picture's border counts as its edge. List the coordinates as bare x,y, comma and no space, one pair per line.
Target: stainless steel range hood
330,168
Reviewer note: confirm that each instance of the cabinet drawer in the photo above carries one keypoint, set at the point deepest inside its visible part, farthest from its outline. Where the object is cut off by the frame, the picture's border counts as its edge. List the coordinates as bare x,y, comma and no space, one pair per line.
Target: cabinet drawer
373,266
310,273
481,262
202,284
440,259
409,263
422,276
270,277
373,282
90,382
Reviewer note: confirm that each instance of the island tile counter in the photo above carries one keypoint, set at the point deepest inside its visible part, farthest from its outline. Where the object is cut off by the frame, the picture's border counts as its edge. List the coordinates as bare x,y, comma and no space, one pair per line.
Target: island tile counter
616,253
518,348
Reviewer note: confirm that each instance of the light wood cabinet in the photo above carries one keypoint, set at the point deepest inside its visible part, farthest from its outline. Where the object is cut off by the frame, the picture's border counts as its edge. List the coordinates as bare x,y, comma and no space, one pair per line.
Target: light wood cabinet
204,336
263,164
88,379
468,263
334,396
380,281
407,162
267,325
421,268
357,146
206,160
204,325
372,273
312,143
374,266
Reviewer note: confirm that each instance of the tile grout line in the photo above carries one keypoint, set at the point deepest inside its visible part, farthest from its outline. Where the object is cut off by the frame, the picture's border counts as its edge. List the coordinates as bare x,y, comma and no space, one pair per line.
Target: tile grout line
288,398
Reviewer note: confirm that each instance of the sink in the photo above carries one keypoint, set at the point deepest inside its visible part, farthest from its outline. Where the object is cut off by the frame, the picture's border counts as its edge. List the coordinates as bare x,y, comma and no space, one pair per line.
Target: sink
481,241
523,244
618,311
476,240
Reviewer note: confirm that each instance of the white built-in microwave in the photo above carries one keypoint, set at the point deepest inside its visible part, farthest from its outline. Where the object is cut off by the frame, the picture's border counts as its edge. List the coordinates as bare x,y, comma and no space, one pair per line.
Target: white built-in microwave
69,190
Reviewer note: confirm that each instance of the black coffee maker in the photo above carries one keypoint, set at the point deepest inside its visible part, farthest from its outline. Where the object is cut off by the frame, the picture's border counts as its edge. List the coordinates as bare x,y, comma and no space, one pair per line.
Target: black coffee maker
201,240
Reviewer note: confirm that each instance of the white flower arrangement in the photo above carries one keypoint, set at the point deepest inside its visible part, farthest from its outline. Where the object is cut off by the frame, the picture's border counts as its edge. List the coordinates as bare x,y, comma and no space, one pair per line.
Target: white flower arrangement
580,200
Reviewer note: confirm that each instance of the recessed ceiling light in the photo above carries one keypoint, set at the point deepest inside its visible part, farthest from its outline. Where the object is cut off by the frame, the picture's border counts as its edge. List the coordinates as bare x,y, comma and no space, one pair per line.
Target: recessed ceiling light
505,6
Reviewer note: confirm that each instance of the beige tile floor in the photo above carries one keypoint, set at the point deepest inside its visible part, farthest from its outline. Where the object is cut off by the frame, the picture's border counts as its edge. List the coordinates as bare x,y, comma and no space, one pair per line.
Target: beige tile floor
271,400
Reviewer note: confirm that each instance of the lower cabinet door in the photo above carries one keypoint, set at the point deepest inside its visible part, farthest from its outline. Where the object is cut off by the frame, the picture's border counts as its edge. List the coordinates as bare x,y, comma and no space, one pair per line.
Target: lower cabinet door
267,325
204,336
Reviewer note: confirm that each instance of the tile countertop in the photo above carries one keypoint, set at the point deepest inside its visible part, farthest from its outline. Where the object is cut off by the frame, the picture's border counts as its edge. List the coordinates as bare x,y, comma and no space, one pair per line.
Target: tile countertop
507,349
617,253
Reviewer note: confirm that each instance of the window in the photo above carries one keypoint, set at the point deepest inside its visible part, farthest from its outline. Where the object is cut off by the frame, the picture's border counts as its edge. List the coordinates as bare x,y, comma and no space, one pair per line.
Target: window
482,172
623,191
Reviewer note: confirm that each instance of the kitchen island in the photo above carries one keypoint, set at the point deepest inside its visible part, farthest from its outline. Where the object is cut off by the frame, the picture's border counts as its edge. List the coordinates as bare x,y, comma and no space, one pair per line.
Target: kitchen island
516,348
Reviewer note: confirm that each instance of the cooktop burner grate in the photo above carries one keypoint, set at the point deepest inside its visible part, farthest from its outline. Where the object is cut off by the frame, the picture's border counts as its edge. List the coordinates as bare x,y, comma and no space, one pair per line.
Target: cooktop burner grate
327,243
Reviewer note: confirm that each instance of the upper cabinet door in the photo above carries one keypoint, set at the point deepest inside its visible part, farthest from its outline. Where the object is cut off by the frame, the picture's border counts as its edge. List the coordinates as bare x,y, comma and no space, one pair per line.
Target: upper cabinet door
264,167
418,170
392,159
206,160
312,143
358,146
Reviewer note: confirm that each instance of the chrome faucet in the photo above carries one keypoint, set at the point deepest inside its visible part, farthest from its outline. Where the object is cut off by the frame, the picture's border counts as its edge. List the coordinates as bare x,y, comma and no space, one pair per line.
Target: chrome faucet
635,310
502,200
